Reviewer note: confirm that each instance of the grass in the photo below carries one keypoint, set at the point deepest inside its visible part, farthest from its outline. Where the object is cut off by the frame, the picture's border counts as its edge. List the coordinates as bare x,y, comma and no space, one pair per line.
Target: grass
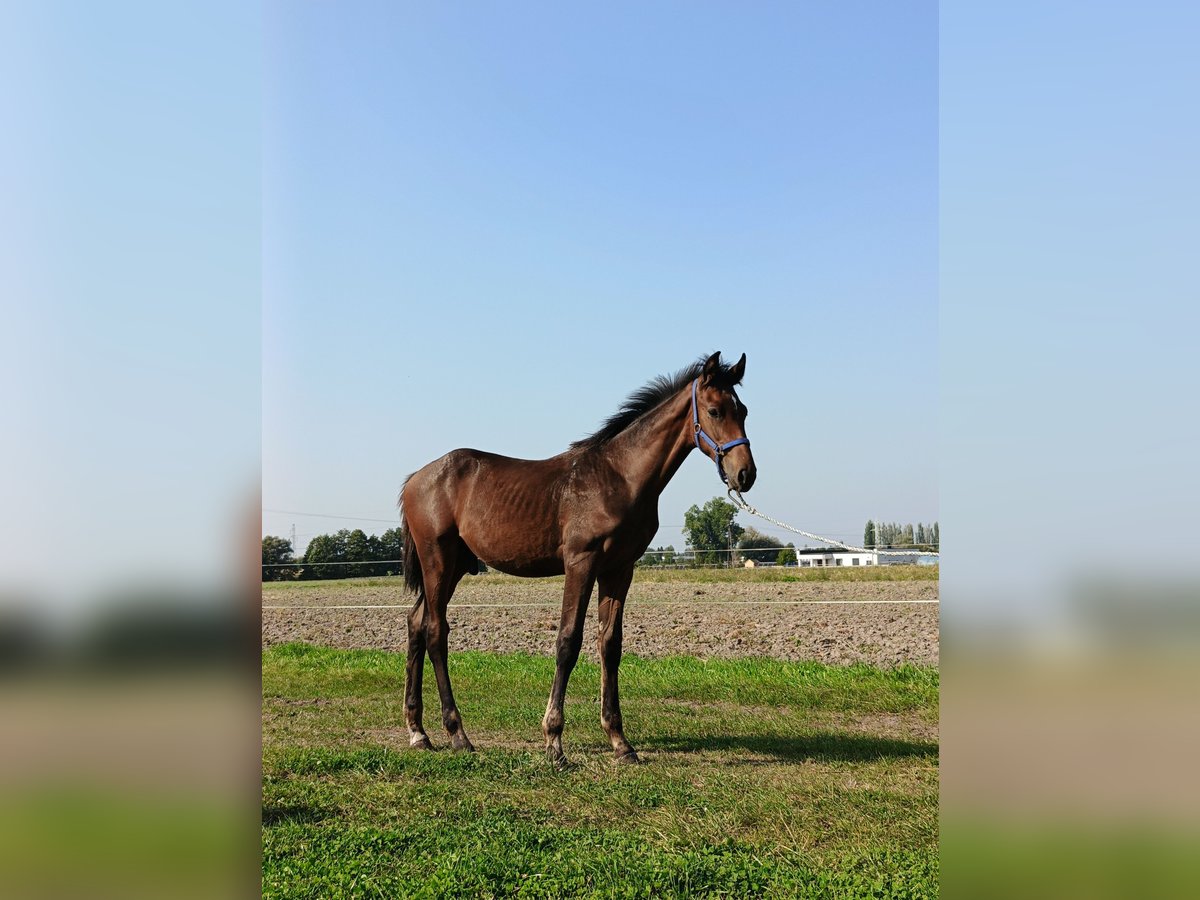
761,778
768,575
1069,855
77,835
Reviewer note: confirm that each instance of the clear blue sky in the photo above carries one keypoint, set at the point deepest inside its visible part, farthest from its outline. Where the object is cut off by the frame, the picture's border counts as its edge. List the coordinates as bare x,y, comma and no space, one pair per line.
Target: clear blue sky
484,227
1070,209
129,284
447,207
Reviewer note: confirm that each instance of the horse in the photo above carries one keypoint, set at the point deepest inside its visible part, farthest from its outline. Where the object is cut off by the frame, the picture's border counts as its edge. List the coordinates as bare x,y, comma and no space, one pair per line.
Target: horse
588,513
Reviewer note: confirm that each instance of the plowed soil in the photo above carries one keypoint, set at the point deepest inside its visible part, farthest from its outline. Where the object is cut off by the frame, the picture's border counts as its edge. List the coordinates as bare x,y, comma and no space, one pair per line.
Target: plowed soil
884,623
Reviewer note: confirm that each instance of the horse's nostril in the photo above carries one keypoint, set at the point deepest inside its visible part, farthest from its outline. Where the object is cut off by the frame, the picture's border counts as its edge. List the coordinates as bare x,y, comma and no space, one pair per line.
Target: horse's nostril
743,477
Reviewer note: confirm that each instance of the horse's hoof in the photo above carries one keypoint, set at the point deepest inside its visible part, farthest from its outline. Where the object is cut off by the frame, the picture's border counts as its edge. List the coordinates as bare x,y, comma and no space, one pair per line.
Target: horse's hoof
420,742
558,759
628,758
462,743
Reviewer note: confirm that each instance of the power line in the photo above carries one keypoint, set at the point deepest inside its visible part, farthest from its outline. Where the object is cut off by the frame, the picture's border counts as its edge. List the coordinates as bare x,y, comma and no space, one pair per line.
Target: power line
396,522
292,512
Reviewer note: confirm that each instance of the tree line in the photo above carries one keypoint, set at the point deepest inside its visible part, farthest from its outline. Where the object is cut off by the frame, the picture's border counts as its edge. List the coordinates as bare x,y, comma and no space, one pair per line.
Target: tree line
344,554
893,535
710,531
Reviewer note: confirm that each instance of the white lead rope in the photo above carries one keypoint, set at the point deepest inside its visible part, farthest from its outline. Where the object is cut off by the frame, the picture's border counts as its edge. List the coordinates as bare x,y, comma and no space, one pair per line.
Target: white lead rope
736,497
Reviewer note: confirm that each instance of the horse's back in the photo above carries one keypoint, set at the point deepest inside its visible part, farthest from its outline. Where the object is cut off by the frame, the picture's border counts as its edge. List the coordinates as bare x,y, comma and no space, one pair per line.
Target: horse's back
460,467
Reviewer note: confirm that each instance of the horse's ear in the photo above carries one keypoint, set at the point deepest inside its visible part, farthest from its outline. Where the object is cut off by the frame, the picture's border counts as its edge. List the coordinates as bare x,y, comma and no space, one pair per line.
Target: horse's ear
738,370
712,366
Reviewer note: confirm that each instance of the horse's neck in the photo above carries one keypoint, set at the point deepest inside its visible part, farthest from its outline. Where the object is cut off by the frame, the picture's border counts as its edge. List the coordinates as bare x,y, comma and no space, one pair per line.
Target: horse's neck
650,453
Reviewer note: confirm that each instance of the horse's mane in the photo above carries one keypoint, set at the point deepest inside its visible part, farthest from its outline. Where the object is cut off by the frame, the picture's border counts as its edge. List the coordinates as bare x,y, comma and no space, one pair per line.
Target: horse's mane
646,398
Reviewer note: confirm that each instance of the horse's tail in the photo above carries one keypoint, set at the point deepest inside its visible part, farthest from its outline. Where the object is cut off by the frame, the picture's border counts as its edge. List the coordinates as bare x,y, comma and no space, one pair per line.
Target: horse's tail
413,578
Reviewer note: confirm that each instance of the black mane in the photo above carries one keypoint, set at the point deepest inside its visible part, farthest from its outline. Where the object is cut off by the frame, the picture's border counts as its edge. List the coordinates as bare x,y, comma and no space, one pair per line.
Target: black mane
646,398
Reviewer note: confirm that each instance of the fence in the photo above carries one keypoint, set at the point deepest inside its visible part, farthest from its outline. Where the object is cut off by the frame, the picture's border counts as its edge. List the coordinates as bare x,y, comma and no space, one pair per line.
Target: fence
679,559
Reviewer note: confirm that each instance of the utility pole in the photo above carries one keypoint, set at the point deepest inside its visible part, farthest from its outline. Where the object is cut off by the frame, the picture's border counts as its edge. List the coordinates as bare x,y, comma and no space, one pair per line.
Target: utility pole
731,543
293,537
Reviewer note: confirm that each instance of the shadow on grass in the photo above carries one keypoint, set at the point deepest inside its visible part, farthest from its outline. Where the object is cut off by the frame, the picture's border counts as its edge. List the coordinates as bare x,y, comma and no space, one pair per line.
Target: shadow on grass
300,815
821,747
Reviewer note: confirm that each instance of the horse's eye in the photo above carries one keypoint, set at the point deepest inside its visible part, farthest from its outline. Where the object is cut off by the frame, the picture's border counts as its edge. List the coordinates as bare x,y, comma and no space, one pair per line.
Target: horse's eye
714,412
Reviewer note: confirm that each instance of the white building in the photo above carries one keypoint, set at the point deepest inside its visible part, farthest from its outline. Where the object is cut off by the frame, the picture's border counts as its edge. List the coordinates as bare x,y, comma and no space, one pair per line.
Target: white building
821,557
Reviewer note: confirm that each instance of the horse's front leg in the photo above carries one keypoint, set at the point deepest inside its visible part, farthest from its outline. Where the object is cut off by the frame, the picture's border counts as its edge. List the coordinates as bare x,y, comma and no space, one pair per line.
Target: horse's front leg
611,611
576,594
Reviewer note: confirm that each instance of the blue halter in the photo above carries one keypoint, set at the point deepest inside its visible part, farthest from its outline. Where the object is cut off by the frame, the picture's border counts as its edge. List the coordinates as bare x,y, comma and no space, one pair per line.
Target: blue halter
719,450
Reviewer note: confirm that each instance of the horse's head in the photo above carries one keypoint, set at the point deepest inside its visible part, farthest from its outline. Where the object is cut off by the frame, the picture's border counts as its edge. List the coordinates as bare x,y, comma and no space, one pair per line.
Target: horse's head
719,421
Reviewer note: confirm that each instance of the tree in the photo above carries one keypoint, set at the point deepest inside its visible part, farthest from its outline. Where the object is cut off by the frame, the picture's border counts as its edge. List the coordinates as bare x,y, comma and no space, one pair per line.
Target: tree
276,554
762,548
786,556
325,548
391,547
358,549
893,534
391,544
659,556
708,529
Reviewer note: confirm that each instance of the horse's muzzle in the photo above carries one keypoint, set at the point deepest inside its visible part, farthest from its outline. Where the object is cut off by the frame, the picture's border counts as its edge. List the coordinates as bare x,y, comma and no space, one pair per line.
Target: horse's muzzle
740,469
745,477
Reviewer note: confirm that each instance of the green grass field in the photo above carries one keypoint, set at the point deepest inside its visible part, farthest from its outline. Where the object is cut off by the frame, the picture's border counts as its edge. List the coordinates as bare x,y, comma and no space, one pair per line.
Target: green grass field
761,778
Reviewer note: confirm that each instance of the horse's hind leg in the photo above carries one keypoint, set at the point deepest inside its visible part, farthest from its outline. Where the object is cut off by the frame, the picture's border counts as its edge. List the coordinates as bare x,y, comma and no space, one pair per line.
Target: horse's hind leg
413,676
442,572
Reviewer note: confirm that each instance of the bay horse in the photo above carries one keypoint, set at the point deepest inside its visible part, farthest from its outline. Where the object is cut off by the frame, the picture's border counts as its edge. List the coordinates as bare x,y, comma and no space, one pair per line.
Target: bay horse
588,513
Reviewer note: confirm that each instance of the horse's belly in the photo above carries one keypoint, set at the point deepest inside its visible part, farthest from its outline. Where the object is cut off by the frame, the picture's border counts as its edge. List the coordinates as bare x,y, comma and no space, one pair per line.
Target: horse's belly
514,549
537,569
510,520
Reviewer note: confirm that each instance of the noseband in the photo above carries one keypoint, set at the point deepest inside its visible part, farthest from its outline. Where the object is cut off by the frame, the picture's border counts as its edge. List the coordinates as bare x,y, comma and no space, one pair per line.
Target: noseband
719,450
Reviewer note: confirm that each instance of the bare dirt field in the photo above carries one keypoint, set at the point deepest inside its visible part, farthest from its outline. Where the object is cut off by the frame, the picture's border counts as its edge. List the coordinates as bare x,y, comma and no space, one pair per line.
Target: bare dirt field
838,622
